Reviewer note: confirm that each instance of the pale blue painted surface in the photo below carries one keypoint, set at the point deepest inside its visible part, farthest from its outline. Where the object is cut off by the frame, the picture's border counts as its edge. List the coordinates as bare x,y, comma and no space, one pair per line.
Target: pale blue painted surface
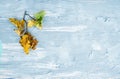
0,48
80,40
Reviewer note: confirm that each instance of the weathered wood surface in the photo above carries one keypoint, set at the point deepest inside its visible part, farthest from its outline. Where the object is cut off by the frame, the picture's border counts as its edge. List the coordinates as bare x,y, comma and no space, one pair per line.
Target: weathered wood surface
80,40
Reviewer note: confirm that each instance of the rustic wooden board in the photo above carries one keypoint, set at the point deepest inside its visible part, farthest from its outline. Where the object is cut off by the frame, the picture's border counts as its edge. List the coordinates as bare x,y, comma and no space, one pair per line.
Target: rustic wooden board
80,40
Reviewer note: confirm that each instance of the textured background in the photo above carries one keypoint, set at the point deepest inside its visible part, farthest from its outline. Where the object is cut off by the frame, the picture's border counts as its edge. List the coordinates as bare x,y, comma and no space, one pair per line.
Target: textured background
80,40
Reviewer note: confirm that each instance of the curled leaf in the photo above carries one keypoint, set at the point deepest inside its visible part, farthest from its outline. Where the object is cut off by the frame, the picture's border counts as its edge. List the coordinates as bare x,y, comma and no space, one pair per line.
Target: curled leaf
28,42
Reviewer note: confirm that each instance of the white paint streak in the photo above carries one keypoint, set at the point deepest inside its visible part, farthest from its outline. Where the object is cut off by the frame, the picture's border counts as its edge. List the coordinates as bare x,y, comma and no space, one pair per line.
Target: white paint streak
65,28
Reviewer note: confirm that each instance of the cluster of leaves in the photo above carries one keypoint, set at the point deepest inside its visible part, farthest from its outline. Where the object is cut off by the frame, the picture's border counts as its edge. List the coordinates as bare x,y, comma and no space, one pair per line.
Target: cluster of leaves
28,41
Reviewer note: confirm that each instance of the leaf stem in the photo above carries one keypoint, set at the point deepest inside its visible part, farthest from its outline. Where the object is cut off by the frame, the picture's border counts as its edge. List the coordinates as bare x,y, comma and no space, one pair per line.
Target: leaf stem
25,28
31,17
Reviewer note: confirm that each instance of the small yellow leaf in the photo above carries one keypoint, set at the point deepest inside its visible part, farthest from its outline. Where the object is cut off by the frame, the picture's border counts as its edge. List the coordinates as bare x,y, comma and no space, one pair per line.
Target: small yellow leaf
34,23
31,23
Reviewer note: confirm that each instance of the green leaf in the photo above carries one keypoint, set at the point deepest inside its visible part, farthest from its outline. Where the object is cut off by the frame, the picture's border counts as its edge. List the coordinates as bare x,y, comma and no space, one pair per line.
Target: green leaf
39,18
40,15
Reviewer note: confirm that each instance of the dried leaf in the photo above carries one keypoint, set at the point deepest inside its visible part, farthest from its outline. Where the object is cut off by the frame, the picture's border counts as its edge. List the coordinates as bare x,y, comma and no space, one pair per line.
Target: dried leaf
28,42
19,25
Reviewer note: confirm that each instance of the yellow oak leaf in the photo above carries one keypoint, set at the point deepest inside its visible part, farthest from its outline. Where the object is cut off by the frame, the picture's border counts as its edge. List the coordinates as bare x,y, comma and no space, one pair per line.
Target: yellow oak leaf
28,42
19,25
25,43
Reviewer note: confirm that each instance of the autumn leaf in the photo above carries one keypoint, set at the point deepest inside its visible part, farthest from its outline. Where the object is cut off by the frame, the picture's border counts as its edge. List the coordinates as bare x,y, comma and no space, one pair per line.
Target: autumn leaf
19,25
25,43
28,42
31,23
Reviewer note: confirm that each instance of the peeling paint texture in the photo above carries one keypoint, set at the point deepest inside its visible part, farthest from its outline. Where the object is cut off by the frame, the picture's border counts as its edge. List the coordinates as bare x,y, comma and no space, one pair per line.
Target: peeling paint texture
80,39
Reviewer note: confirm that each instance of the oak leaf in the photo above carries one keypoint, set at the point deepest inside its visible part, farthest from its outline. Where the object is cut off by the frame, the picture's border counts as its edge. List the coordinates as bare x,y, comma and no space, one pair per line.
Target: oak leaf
28,42
19,25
